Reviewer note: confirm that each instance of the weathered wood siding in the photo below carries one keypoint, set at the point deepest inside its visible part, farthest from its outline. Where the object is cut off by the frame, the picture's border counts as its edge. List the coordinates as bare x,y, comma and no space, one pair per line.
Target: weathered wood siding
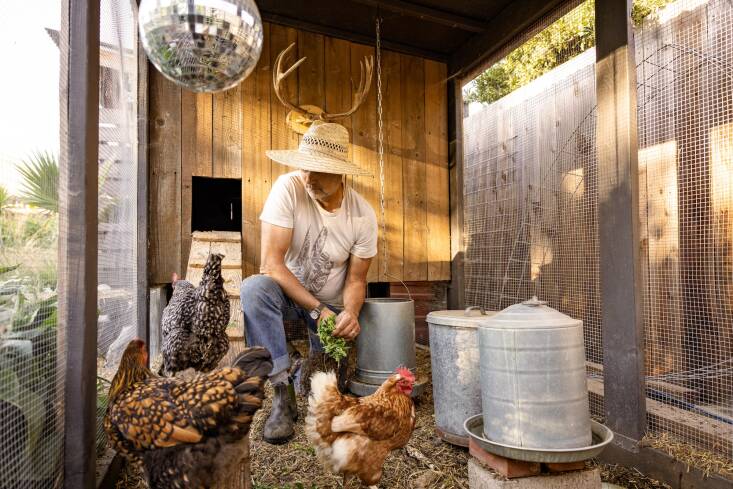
225,135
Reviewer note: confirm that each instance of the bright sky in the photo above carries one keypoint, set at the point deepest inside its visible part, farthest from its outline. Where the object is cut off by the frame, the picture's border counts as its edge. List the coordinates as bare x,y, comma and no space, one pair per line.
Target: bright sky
29,97
29,86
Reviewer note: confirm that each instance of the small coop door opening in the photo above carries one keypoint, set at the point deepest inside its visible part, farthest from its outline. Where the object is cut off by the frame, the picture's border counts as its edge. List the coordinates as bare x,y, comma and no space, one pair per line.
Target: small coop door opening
216,204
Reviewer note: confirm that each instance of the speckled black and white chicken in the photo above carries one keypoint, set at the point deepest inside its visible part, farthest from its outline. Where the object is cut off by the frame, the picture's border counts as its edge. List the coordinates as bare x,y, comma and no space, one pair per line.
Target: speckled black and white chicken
185,434
195,320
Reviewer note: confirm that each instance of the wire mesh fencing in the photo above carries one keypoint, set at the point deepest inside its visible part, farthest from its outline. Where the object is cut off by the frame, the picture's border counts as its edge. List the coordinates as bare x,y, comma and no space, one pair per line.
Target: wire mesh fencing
530,201
685,98
32,349
118,188
531,198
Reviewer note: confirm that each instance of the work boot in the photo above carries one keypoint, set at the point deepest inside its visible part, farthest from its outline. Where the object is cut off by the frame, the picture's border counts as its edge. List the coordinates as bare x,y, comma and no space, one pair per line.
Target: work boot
279,426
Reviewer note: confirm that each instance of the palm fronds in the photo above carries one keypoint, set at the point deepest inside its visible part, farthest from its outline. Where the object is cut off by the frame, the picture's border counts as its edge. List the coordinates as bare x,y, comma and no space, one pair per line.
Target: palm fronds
40,175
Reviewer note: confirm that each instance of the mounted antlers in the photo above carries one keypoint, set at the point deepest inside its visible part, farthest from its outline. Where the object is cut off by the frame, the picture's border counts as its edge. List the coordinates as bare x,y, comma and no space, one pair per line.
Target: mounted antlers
300,117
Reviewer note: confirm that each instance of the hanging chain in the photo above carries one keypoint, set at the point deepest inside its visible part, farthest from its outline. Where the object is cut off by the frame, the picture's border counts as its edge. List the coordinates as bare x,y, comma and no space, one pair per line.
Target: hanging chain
380,153
380,145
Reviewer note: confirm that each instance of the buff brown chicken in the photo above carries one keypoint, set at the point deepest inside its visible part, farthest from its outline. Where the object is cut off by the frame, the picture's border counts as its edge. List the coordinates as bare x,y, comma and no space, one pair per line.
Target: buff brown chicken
184,434
353,436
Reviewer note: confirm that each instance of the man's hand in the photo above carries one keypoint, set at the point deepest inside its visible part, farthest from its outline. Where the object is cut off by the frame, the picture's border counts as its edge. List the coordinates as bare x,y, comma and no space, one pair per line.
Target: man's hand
325,314
347,325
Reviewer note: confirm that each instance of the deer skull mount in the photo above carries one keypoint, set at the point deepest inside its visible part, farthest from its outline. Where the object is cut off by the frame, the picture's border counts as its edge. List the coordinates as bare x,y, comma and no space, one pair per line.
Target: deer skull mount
301,117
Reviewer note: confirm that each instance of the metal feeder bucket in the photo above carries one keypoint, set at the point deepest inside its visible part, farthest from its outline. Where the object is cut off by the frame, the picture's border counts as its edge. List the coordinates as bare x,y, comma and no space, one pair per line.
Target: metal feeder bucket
454,355
386,341
533,381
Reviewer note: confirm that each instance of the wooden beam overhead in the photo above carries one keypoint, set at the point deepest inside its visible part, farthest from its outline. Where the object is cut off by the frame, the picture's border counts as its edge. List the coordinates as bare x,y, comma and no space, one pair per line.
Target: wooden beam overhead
328,30
510,23
428,14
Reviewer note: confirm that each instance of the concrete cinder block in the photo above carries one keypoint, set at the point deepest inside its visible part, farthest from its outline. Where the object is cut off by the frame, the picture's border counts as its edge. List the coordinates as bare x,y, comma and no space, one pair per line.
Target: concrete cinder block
480,477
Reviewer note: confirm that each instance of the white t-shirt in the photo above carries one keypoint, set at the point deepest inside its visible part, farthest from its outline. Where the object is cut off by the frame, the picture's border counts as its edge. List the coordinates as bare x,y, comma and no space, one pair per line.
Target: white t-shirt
322,241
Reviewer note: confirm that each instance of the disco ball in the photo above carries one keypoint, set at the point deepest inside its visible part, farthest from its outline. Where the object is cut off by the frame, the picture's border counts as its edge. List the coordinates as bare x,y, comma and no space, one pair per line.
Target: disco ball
202,45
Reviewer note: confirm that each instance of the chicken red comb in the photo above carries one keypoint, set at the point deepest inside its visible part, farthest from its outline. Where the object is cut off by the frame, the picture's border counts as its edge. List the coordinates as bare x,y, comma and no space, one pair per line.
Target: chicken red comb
405,373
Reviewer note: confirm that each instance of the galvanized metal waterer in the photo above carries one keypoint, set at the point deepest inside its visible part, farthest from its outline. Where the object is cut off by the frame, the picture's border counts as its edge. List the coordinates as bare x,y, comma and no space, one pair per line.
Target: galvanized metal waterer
454,356
386,341
533,380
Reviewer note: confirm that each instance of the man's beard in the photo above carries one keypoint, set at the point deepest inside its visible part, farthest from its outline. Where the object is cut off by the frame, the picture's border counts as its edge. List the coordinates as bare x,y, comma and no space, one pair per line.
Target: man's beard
316,193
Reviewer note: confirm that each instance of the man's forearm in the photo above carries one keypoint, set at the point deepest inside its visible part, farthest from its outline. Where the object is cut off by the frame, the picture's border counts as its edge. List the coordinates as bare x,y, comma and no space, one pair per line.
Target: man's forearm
354,293
291,286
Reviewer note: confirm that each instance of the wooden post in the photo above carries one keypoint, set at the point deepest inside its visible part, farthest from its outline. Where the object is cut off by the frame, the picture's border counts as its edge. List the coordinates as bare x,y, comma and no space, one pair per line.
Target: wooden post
456,291
143,294
618,222
78,236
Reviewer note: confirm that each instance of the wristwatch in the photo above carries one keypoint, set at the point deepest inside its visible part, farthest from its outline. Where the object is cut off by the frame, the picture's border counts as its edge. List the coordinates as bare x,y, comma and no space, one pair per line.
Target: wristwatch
316,313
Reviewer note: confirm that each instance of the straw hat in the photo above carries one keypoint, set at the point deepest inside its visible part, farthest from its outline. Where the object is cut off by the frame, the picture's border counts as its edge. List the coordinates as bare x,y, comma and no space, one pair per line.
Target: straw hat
324,148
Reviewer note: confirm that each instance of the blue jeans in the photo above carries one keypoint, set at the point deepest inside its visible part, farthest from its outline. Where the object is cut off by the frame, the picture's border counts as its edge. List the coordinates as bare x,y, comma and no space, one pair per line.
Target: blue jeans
265,307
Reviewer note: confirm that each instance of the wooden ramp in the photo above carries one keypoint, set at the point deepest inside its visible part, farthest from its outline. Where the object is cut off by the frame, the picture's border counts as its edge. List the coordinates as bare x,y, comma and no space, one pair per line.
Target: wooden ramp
228,244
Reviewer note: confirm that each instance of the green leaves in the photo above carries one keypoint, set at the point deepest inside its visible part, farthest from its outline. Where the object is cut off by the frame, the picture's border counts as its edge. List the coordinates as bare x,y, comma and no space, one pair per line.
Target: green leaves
41,181
561,41
336,348
7,269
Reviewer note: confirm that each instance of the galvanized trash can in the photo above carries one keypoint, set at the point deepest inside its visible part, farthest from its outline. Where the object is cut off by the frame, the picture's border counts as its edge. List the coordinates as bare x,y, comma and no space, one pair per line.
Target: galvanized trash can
386,341
454,356
533,381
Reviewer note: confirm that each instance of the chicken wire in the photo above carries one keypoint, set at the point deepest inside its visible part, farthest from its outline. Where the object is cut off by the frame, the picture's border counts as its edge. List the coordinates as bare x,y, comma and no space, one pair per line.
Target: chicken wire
530,200
118,186
32,350
531,197
685,97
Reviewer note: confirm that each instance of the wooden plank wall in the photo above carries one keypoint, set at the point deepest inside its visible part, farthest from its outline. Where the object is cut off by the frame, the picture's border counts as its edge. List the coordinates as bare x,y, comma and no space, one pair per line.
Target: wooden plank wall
225,135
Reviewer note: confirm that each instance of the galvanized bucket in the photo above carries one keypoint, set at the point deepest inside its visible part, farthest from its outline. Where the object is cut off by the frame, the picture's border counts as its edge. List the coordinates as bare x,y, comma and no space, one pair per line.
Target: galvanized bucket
386,341
454,355
533,381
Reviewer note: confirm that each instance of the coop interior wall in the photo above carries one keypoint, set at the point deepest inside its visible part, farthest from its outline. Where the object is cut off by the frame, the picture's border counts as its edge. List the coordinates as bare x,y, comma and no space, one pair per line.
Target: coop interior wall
225,135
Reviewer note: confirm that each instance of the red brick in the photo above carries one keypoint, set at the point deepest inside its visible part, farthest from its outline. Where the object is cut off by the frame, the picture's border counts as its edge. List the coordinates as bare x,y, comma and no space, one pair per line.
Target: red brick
507,467
564,467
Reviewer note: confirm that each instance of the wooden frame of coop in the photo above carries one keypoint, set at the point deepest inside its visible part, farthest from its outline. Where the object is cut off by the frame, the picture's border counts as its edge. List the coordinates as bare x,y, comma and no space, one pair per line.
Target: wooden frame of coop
183,136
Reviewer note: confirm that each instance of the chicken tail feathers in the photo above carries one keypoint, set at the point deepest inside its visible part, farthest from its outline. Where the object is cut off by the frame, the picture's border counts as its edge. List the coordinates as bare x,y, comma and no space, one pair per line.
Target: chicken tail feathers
254,361
256,364
320,387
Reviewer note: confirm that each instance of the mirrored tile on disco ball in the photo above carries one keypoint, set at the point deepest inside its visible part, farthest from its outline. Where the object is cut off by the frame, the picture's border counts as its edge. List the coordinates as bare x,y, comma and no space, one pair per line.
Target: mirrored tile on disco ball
204,45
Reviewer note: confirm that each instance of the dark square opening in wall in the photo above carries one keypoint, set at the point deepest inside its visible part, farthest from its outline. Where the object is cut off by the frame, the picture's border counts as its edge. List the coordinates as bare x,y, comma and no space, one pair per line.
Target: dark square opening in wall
216,204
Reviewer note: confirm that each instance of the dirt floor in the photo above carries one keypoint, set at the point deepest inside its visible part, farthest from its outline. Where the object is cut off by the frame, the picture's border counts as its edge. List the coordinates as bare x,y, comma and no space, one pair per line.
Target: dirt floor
426,462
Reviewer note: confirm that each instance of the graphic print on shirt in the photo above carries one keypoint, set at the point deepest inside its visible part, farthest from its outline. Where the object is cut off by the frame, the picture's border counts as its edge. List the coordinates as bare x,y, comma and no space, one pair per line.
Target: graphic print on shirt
313,264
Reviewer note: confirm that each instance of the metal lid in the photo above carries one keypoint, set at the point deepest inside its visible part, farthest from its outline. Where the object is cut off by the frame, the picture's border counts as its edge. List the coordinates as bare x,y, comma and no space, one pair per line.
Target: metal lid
531,314
471,317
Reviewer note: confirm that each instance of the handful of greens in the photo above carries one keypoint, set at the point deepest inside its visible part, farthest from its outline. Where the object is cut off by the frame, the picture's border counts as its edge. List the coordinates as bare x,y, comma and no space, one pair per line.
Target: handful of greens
336,348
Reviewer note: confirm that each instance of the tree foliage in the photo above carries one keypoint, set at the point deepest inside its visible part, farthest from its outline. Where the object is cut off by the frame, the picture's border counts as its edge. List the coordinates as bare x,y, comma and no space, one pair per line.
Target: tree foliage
562,40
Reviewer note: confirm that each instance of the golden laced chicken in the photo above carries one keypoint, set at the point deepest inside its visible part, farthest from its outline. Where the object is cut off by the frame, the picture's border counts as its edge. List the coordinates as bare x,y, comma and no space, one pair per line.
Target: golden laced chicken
353,436
184,434
195,320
